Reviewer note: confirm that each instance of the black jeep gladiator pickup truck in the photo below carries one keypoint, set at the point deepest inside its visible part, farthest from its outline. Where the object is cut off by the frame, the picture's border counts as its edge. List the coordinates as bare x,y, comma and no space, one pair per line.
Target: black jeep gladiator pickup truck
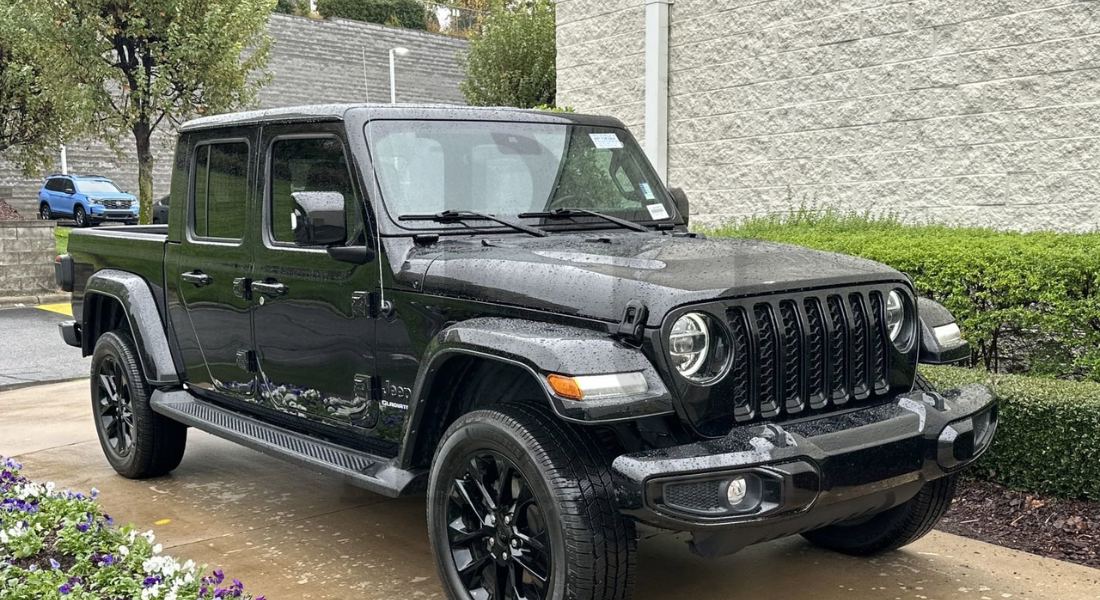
505,309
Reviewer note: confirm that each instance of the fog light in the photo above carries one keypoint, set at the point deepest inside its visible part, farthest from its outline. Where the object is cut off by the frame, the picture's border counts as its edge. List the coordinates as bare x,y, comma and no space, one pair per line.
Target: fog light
737,490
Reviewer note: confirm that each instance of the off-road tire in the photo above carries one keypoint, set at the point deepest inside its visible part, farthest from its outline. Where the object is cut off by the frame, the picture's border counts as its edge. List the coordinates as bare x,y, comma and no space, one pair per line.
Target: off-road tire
897,527
80,217
44,212
158,442
593,545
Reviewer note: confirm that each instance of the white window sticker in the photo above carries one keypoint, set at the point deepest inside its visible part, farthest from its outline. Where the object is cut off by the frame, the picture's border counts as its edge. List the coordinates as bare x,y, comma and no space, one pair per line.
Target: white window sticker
657,211
646,191
605,141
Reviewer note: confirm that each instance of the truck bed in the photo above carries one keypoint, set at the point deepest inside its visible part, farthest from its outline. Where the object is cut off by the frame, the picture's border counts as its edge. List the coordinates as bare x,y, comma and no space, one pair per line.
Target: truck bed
136,249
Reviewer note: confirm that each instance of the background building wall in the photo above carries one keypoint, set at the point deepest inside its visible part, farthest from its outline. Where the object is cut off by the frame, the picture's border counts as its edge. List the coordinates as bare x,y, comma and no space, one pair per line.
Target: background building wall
982,112
312,61
26,259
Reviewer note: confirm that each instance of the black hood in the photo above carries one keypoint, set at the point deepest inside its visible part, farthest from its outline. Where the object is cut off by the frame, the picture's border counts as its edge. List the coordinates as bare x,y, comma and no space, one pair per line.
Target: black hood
595,274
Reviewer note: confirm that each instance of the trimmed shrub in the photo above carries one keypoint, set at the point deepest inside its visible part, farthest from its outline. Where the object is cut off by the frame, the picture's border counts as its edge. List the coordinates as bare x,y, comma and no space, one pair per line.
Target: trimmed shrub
1048,439
1025,301
409,14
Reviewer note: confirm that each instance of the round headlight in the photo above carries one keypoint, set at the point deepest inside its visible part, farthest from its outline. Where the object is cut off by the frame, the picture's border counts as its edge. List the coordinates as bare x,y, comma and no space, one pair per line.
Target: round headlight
689,343
899,320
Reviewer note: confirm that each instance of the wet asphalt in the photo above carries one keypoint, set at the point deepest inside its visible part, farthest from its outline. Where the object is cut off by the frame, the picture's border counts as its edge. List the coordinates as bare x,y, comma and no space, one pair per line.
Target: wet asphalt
291,533
31,349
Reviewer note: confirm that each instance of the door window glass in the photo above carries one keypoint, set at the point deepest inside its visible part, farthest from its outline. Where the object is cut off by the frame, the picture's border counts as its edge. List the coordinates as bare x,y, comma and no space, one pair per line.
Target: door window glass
220,188
308,165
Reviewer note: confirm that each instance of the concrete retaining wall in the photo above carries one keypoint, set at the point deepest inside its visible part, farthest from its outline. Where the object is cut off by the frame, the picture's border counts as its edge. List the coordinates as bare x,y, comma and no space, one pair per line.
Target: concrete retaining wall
26,259
983,112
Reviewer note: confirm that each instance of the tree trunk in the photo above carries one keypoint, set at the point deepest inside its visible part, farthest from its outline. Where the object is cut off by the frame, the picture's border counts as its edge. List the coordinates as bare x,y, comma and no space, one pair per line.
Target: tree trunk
142,136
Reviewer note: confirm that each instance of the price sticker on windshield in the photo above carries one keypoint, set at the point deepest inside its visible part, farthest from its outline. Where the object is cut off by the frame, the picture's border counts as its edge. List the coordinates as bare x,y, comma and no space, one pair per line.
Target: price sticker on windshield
657,211
606,141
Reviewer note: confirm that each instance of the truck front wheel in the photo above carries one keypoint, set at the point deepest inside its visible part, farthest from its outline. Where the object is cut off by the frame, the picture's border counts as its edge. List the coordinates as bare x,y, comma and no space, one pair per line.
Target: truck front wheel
520,506
136,441
894,528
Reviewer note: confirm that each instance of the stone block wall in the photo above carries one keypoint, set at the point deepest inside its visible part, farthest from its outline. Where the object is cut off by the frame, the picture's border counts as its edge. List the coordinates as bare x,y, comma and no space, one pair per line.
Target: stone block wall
981,112
26,258
312,61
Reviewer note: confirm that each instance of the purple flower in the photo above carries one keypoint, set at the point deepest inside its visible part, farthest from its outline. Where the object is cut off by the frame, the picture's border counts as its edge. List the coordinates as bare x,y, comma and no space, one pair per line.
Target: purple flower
32,568
218,592
64,588
95,492
219,576
151,581
55,564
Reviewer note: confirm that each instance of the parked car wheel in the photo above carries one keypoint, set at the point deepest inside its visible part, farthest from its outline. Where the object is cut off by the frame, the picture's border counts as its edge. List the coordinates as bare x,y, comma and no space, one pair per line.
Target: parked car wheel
894,528
45,213
136,441
521,506
80,217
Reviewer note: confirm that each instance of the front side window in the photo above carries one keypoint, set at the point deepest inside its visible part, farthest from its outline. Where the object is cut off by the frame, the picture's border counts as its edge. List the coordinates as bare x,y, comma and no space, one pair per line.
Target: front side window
509,169
219,190
97,186
308,165
57,184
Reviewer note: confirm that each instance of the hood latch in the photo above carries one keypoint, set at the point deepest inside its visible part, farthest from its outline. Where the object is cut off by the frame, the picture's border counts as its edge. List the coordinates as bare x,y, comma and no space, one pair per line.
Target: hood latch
632,326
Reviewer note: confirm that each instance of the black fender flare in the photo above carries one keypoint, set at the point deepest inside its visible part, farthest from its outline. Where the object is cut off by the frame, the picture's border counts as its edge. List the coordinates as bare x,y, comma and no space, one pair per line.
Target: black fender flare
139,306
540,349
940,343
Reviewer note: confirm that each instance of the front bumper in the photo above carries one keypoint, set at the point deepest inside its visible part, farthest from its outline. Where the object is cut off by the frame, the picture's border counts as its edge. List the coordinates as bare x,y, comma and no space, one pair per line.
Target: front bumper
101,213
809,473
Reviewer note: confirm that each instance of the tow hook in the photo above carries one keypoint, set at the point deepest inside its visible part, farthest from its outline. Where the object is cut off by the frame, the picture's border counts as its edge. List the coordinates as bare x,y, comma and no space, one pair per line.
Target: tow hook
632,326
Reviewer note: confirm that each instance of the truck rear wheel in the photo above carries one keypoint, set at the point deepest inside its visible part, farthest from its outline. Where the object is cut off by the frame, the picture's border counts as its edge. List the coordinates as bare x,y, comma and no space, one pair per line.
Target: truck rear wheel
520,507
136,441
894,528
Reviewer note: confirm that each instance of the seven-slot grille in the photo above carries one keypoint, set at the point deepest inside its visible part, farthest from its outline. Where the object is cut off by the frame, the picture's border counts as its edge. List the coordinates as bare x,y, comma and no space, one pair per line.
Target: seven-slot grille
115,203
795,355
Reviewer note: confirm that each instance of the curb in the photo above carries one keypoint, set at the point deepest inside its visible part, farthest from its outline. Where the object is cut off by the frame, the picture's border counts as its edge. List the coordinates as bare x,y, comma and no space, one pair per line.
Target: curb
25,301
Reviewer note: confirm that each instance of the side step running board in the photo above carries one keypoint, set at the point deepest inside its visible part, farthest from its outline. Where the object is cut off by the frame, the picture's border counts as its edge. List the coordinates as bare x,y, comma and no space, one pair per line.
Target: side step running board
359,469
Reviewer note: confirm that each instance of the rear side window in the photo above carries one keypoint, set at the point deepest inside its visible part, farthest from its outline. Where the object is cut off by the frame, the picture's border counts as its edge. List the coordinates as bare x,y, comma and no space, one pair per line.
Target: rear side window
57,184
220,188
307,165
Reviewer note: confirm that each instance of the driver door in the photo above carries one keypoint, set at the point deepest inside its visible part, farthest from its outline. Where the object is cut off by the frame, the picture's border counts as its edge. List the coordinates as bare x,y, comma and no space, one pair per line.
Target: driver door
314,349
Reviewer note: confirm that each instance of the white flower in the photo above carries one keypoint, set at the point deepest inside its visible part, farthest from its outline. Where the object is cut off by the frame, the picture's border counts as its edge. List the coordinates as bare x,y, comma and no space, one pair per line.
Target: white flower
157,549
188,578
170,595
133,536
123,551
149,537
49,487
189,565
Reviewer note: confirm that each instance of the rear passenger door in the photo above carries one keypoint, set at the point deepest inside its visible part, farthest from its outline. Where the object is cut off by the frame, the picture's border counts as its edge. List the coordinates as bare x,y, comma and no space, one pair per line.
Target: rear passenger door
210,269
314,340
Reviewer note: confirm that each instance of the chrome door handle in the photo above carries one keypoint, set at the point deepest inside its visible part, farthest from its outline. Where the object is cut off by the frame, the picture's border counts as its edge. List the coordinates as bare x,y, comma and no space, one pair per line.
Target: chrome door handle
270,288
197,278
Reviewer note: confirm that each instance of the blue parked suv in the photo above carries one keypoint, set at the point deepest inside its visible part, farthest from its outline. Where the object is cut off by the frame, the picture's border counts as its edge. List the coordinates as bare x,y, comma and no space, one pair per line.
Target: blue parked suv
88,199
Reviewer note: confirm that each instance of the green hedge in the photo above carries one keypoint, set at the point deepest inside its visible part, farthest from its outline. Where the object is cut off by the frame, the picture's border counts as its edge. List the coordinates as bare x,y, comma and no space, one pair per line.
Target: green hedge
1025,301
1048,439
410,14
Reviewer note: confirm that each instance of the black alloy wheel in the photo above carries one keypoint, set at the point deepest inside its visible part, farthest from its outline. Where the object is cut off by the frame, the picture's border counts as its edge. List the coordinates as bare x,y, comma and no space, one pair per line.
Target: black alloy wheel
114,407
45,213
80,217
498,533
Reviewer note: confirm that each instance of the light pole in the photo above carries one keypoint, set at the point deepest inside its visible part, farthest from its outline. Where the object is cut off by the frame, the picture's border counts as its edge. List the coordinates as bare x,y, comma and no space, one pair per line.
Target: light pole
398,51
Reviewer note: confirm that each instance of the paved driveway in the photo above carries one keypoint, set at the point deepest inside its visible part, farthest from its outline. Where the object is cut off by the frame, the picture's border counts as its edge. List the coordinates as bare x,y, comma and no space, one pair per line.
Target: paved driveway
290,533
31,349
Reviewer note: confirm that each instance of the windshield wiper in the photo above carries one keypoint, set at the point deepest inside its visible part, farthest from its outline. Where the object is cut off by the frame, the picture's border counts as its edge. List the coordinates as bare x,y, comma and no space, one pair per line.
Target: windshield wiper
469,215
566,213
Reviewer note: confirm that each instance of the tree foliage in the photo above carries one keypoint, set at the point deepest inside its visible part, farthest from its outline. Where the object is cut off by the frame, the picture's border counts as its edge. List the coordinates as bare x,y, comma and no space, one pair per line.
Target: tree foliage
409,14
166,61
511,61
43,101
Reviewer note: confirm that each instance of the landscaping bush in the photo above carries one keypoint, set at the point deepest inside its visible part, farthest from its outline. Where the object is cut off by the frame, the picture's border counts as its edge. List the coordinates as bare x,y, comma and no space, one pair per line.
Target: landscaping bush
409,14
59,544
1025,301
511,61
1048,439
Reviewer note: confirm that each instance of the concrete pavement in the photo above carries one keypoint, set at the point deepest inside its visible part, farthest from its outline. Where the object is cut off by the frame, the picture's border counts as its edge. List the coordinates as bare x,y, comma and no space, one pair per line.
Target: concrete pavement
290,533
31,349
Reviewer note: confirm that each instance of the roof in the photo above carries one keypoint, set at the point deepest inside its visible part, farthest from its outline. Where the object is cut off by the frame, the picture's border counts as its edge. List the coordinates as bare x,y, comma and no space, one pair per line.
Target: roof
339,112
77,176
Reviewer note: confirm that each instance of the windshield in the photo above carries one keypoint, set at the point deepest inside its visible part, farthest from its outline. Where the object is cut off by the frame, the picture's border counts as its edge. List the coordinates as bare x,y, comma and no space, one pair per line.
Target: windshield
506,169
97,186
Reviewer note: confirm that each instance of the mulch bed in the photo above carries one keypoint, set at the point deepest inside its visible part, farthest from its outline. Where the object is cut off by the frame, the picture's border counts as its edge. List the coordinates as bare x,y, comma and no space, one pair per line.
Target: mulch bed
7,213
1063,529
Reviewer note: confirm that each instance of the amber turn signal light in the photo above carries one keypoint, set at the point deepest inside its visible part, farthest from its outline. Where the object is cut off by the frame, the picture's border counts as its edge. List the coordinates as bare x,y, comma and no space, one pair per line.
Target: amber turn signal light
566,387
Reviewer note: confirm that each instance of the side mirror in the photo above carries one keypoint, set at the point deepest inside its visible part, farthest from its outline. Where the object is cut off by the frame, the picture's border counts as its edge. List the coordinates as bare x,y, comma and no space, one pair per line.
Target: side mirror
318,218
681,200
70,191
